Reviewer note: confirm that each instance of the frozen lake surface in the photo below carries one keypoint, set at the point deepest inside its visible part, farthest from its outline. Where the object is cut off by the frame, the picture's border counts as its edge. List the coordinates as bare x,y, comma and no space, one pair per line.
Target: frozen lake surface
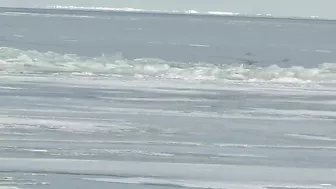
123,100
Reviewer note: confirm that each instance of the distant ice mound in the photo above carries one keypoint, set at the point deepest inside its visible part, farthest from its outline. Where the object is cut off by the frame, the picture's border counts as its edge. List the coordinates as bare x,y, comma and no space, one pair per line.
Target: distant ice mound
129,9
186,12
